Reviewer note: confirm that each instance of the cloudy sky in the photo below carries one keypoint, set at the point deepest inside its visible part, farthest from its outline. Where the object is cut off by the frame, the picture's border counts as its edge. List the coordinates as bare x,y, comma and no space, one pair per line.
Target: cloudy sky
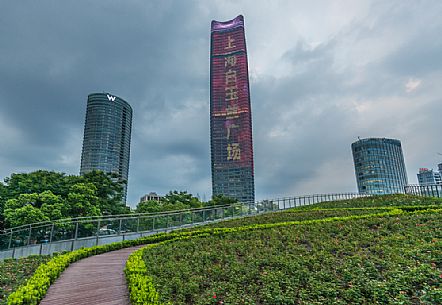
322,73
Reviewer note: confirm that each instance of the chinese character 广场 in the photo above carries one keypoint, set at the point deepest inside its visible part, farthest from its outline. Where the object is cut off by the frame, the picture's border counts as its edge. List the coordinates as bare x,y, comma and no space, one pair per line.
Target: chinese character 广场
233,151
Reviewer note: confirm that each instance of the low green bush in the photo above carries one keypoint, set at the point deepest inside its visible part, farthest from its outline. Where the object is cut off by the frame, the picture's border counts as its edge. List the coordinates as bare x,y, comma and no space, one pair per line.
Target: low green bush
379,201
387,258
33,291
15,272
138,278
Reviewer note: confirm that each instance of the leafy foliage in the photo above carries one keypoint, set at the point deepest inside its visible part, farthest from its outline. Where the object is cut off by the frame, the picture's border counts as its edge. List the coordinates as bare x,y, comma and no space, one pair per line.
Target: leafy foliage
44,195
364,259
174,201
379,201
372,256
14,272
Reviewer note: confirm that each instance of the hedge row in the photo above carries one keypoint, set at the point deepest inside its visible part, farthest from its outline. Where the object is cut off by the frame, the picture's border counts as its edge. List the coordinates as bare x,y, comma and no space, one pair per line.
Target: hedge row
378,260
15,272
140,283
36,287
33,291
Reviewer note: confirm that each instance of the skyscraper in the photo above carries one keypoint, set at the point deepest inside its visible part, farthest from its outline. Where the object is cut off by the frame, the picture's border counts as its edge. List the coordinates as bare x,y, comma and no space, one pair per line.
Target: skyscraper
379,166
230,113
428,177
107,133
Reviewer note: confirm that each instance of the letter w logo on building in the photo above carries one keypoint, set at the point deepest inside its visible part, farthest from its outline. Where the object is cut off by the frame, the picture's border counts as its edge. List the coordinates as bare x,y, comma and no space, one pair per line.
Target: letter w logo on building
111,98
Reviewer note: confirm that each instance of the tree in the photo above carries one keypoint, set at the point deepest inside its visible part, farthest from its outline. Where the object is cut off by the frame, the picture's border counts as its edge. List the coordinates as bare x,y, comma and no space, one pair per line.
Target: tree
3,192
188,200
221,200
172,201
55,194
82,201
38,182
109,192
26,214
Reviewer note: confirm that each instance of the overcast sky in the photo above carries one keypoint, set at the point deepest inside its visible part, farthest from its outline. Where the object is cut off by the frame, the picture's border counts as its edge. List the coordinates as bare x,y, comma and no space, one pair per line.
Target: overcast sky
322,73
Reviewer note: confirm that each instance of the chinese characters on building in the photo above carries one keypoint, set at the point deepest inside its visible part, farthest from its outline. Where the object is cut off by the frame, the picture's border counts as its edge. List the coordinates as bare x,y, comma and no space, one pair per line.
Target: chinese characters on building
231,98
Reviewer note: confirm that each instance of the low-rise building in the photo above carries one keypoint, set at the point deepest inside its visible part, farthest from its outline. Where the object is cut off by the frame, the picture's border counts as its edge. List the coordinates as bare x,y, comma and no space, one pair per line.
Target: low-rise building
152,196
429,177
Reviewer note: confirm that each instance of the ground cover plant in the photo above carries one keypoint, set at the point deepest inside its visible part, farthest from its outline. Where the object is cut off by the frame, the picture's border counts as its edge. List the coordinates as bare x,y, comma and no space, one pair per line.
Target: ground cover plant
394,259
140,283
293,215
14,272
379,201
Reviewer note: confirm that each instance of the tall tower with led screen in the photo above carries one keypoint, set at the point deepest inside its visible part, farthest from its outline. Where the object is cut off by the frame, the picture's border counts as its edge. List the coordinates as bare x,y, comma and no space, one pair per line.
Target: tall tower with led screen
230,113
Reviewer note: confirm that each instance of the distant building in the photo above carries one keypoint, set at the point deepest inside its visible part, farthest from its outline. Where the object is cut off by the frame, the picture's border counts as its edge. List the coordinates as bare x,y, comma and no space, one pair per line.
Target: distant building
428,177
379,166
152,196
230,113
107,134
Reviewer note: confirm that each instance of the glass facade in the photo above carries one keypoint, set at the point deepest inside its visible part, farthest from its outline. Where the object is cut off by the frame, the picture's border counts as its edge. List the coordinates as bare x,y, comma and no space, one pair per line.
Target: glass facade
230,113
379,166
428,177
107,134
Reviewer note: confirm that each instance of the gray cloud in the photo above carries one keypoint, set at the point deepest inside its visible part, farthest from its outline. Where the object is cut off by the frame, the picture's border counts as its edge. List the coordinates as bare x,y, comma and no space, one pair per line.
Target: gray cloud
319,78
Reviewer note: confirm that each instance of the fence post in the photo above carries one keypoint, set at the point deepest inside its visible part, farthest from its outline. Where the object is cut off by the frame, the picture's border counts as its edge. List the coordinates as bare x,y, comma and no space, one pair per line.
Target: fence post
29,236
98,233
52,233
10,240
76,231
138,224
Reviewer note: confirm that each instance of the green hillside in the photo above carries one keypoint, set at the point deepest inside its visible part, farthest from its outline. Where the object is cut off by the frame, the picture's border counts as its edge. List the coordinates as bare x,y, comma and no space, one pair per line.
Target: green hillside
330,253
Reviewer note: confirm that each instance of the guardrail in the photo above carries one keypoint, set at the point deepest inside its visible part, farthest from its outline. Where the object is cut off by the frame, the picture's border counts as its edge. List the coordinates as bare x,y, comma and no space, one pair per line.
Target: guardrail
434,190
71,234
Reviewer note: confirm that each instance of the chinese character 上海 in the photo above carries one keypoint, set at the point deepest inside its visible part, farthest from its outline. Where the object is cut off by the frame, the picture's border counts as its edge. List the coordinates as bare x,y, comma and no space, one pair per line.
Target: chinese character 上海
230,61
230,44
233,151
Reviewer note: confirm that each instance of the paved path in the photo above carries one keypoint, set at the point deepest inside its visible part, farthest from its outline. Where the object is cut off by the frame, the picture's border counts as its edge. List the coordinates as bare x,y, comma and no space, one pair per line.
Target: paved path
94,280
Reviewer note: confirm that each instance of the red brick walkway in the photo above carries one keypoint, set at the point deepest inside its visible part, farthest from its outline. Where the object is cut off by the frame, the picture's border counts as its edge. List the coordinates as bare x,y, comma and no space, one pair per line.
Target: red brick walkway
97,280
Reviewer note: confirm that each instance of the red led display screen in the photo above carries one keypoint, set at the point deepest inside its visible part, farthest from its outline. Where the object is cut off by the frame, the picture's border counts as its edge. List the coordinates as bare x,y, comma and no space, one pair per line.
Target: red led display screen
231,123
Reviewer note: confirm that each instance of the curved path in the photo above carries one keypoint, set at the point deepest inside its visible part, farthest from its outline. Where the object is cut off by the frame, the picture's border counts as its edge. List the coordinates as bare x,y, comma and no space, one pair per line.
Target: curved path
94,280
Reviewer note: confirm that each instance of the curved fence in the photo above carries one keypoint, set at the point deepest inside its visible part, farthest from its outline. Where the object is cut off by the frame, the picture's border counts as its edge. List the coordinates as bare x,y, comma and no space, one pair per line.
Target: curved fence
434,190
71,234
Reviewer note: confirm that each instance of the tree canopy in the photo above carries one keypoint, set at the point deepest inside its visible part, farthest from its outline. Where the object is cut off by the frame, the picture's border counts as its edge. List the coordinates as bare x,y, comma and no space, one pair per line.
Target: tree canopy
180,200
46,195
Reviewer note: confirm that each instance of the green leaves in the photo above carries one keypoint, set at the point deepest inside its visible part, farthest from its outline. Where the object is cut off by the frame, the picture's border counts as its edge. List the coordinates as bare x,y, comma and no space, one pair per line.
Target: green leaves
374,258
360,255
49,196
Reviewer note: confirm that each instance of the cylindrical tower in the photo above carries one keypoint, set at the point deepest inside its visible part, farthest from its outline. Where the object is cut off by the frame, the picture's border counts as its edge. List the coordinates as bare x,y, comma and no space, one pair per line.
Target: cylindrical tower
107,134
379,166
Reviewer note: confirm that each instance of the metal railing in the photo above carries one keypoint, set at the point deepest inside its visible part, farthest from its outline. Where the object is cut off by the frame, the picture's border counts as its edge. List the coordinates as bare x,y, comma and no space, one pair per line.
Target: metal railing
74,233
434,190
